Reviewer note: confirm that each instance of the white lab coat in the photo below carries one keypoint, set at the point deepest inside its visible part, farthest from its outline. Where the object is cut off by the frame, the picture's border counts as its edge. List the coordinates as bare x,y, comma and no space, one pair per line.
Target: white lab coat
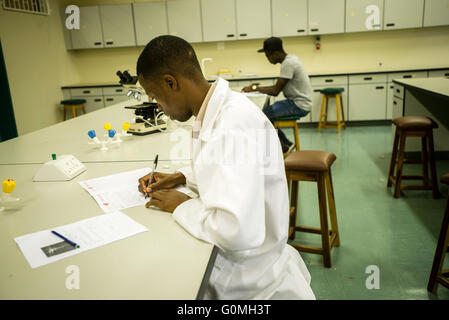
243,206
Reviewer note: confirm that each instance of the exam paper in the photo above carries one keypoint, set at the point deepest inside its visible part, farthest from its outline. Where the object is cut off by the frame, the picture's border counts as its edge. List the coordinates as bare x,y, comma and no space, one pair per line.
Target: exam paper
119,191
88,234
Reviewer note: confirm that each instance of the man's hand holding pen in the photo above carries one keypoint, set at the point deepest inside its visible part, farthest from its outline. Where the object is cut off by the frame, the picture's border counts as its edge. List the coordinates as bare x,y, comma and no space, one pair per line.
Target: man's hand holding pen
161,190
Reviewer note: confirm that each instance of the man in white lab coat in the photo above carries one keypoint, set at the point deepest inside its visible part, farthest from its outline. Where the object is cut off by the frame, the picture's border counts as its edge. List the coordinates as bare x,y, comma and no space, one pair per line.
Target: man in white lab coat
238,172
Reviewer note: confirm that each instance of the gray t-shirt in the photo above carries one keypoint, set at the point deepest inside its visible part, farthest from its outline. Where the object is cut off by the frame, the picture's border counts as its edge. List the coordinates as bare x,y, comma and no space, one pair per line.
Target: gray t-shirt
298,87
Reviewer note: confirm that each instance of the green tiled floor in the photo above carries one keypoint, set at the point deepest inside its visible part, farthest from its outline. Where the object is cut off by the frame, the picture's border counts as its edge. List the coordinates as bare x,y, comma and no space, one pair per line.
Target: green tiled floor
396,235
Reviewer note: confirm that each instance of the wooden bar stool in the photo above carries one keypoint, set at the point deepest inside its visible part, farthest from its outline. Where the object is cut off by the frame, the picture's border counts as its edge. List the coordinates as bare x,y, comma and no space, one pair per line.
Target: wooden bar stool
288,122
73,105
314,166
437,275
413,126
327,94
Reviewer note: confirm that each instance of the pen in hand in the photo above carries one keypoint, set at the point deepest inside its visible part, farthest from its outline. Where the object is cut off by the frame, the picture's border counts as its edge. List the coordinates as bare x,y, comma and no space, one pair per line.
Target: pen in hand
150,181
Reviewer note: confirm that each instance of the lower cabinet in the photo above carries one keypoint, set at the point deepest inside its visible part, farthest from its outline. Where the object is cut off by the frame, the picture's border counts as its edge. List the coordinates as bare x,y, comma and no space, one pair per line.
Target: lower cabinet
390,95
110,100
365,96
96,97
92,103
397,107
367,101
439,73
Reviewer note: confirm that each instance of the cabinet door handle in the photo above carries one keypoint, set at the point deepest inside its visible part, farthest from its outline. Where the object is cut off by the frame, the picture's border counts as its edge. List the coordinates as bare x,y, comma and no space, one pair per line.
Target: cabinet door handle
230,35
97,100
390,24
97,43
317,90
314,30
109,42
368,78
407,76
391,87
379,88
110,99
329,80
86,91
397,90
243,34
394,102
300,30
118,90
446,74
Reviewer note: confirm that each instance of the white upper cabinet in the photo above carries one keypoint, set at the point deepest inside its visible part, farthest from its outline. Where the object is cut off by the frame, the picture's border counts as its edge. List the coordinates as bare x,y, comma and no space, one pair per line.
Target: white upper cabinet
289,18
326,16
364,15
436,13
253,19
184,19
90,34
402,14
118,26
218,20
150,19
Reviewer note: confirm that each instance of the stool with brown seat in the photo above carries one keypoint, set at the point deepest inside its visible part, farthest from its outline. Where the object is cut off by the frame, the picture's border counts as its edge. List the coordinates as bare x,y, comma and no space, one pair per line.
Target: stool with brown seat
437,275
413,126
73,104
315,166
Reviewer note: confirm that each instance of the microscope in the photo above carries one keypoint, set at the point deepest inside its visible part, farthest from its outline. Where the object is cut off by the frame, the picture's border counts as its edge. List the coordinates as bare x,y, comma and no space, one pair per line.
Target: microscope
148,117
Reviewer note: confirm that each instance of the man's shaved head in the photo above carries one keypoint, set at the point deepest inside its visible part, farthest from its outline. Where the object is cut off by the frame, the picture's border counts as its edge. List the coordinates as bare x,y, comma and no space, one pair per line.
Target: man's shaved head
168,55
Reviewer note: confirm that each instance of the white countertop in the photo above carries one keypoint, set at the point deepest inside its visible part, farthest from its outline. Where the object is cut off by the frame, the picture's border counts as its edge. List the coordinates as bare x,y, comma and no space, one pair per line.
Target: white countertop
70,137
163,263
433,85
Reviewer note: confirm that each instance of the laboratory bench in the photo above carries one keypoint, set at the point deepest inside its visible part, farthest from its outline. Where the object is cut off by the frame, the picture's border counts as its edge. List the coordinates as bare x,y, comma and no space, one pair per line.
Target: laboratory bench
70,137
165,262
357,85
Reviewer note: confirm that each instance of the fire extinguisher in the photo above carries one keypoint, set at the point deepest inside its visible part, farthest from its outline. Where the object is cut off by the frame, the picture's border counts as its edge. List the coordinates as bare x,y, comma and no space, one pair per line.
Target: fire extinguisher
318,43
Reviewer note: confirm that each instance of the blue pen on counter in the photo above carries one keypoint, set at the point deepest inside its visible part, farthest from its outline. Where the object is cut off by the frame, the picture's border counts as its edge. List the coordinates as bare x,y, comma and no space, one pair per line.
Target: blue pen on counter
65,239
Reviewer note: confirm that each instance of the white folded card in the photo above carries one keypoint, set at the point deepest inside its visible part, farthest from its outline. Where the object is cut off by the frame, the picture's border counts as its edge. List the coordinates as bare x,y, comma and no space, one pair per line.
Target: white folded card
120,191
44,247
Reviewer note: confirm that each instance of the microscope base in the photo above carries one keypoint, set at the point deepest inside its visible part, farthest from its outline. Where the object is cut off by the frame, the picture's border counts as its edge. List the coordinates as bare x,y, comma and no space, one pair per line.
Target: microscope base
141,129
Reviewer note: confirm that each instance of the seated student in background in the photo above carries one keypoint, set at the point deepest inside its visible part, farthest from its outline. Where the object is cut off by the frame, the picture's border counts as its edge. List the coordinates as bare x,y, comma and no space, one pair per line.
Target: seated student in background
242,205
293,82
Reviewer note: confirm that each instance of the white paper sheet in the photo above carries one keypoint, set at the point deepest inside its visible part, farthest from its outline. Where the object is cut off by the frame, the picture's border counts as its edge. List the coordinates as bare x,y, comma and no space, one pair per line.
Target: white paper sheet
120,191
88,234
254,94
